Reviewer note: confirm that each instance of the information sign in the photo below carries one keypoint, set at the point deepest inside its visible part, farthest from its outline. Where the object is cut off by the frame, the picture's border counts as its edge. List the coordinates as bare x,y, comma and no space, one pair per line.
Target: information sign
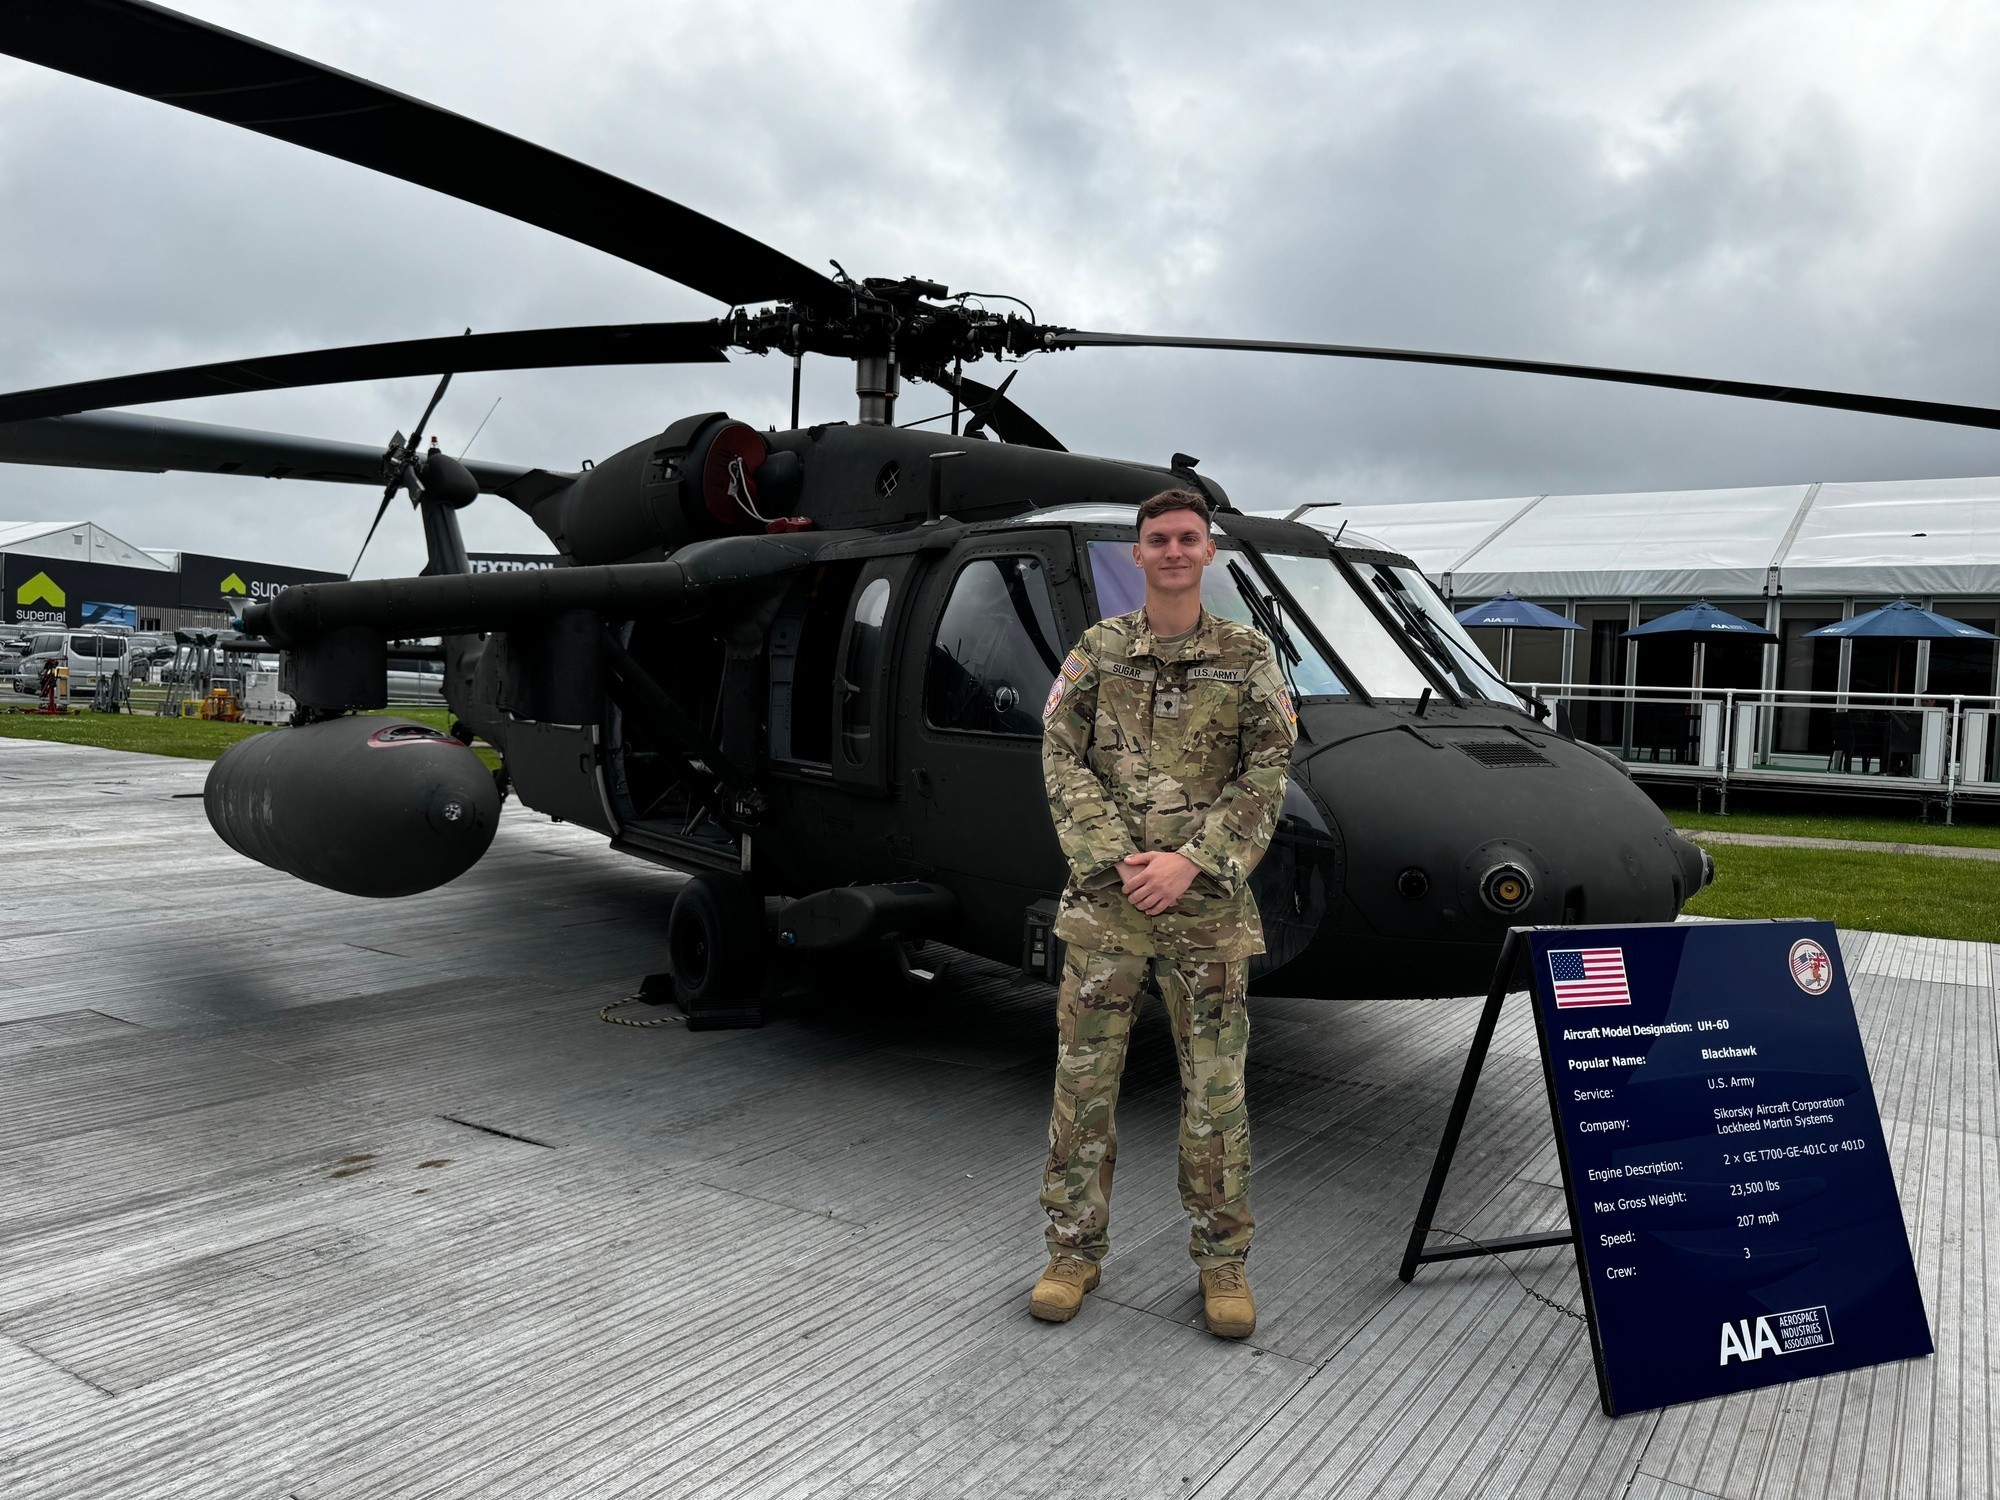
1735,1215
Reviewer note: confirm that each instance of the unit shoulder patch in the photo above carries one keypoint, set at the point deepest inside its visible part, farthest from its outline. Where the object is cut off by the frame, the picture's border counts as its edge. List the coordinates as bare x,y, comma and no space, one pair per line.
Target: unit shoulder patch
1286,706
1056,691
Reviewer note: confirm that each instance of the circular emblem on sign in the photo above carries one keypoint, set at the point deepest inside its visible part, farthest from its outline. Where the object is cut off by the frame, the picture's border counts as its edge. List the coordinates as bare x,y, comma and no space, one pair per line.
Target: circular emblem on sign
1812,970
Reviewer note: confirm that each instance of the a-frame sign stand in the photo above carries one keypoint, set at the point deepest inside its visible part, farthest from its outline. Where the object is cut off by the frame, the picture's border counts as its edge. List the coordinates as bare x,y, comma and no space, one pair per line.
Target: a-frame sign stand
1417,1253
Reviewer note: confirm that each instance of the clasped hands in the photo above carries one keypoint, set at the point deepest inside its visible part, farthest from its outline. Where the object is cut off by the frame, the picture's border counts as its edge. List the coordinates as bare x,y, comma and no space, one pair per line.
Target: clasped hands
1155,879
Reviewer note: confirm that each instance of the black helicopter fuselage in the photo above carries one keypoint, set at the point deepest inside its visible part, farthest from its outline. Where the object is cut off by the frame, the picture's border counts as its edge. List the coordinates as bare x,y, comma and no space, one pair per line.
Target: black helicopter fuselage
868,713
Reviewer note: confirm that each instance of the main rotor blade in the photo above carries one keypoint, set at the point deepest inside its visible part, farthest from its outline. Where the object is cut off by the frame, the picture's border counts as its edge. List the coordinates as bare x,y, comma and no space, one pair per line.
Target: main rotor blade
994,409
175,59
529,349
137,443
1880,406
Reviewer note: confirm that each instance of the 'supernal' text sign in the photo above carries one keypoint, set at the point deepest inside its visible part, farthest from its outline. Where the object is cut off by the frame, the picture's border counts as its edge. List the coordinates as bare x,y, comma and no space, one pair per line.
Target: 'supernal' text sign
1736,1218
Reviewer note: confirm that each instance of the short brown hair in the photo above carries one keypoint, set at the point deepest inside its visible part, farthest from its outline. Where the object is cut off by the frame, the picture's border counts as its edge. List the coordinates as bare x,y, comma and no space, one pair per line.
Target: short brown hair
1168,500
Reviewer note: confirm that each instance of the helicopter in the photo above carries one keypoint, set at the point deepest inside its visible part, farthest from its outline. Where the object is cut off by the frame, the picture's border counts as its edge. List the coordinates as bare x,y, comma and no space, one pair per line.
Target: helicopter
805,666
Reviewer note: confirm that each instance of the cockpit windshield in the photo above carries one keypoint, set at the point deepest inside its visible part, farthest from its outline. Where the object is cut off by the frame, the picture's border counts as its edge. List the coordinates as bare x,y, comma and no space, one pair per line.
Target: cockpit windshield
1349,626
1385,658
1436,631
1229,588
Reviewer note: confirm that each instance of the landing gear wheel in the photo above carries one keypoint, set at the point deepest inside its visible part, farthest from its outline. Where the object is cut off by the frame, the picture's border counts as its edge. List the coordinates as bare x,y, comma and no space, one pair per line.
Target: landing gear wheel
715,946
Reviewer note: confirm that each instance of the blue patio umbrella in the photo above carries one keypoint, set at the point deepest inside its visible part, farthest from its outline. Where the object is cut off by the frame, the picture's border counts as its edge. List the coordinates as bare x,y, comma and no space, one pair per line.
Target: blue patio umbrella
1904,621
1701,620
1511,613
1698,623
1508,614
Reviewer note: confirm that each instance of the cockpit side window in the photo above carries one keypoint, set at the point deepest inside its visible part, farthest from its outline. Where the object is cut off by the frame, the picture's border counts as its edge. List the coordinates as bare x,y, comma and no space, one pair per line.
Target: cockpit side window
997,649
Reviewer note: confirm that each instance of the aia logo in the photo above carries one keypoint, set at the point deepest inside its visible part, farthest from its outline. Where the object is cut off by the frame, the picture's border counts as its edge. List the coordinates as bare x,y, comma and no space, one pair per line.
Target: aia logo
1812,968
1750,1339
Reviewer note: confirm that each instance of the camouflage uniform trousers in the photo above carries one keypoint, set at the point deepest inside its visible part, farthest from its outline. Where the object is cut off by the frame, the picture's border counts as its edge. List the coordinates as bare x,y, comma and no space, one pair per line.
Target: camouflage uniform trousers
1098,1003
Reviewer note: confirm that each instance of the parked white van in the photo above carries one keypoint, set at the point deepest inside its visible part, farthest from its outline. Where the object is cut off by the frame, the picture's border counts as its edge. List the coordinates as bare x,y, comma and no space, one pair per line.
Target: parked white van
90,656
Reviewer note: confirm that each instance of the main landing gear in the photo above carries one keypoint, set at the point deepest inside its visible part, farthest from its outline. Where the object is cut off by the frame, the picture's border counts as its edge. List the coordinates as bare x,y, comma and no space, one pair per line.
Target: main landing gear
716,947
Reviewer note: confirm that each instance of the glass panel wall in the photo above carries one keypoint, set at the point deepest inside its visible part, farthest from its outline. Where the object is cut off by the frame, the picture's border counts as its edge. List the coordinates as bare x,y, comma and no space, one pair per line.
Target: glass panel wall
1802,738
1492,643
1663,731
1878,664
1537,655
1964,667
1600,659
1869,737
1735,661
1662,661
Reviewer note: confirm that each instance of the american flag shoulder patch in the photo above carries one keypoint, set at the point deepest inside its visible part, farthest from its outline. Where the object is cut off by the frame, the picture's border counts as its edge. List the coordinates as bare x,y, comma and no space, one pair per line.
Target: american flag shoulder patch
1074,666
1588,976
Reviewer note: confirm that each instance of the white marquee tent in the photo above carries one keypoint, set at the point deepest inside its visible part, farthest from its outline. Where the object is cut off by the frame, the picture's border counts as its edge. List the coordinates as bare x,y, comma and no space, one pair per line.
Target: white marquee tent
75,541
1935,538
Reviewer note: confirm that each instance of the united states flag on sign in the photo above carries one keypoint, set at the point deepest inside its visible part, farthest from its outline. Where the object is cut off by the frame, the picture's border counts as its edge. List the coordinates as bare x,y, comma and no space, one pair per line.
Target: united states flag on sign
1589,976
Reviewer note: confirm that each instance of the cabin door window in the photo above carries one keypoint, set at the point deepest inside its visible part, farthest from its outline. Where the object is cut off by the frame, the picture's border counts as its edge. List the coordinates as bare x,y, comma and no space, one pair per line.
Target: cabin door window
864,685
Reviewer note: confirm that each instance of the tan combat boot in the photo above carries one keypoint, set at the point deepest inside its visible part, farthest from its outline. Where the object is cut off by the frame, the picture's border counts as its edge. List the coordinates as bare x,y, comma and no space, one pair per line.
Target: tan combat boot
1226,1303
1059,1293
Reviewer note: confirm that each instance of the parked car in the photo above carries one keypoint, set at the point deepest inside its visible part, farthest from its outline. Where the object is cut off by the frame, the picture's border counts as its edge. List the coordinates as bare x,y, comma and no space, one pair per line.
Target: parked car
414,680
12,652
147,652
89,655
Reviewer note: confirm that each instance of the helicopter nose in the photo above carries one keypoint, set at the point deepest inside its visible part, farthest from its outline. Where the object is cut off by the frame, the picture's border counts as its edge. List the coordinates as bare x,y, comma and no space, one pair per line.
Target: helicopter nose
1406,851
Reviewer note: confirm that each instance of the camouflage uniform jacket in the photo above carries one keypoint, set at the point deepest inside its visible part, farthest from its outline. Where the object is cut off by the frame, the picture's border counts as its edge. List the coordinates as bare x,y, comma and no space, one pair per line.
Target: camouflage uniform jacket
1184,747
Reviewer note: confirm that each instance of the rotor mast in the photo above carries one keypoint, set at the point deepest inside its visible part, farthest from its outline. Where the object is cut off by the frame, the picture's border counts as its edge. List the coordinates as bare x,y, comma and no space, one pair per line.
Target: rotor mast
875,384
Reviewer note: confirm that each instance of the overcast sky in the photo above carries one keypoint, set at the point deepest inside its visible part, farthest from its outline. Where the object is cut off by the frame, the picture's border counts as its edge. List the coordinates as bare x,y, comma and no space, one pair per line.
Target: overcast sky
1800,193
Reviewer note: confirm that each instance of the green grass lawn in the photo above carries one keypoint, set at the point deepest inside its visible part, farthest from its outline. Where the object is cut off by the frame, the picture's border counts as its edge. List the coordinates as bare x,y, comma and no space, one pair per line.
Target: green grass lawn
1827,826
191,739
1908,893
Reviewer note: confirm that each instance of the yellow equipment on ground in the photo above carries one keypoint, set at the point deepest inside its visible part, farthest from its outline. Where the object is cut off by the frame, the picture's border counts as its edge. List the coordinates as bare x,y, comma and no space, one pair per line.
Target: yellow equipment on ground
221,704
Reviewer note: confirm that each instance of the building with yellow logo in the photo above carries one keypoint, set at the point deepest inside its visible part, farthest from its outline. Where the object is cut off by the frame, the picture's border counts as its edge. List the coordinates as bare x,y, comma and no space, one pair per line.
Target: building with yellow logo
66,574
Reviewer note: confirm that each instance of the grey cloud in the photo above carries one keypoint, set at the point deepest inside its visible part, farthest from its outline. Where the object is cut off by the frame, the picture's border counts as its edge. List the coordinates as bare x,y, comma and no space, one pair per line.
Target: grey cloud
1690,187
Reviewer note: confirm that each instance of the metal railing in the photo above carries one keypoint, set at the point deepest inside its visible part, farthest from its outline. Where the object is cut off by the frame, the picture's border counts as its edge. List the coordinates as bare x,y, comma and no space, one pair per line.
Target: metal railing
1947,745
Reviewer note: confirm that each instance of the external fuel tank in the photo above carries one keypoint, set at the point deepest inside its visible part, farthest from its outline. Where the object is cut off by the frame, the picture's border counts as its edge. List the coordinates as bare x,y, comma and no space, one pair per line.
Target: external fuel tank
367,806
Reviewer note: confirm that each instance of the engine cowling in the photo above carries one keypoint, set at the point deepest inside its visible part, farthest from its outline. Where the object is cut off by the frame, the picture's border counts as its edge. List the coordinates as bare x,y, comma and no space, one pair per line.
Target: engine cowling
697,479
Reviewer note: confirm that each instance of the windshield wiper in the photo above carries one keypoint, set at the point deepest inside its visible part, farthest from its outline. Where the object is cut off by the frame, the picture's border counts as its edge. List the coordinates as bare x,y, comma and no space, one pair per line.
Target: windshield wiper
1266,613
1426,631
1420,626
1266,617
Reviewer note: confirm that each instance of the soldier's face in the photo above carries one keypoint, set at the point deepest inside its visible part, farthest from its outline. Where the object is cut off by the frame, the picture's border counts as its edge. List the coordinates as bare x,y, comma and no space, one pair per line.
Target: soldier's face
1172,550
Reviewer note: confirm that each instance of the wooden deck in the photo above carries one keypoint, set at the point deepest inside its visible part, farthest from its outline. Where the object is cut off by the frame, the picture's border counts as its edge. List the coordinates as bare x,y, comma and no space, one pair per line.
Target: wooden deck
311,1196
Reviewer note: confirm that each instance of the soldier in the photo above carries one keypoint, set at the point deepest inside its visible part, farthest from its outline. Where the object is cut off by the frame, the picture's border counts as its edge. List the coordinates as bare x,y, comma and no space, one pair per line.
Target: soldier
1166,744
